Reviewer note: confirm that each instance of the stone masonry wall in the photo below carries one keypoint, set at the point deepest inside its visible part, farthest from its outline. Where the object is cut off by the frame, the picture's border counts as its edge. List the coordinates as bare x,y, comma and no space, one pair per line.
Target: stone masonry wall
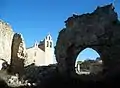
6,35
18,54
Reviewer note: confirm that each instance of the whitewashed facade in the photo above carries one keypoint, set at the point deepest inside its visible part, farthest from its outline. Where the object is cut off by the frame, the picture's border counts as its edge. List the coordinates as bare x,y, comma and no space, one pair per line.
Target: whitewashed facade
42,53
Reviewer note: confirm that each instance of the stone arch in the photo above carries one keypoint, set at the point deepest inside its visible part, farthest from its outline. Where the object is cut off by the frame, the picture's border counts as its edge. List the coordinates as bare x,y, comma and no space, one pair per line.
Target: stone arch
73,52
98,30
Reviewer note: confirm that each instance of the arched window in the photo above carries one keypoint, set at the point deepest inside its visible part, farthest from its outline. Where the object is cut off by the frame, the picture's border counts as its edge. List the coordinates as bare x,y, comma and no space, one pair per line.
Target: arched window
47,43
50,44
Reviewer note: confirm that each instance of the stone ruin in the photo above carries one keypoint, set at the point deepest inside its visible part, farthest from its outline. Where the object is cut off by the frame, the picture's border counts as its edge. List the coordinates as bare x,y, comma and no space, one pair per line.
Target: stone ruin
18,54
13,49
6,35
99,30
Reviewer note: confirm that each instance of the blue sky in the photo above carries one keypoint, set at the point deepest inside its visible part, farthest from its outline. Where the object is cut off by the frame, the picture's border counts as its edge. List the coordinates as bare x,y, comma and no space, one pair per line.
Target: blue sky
36,18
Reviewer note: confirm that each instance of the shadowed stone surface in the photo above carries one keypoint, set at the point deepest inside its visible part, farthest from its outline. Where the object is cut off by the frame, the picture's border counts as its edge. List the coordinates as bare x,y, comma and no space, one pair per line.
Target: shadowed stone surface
99,30
18,54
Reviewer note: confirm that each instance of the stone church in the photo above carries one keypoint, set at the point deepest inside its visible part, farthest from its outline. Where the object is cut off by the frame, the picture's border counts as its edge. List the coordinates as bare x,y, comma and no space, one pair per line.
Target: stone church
13,48
41,53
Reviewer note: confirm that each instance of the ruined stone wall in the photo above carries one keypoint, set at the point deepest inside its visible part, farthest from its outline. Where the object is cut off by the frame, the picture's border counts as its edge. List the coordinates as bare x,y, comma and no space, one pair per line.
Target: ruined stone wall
99,30
13,50
18,54
6,35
